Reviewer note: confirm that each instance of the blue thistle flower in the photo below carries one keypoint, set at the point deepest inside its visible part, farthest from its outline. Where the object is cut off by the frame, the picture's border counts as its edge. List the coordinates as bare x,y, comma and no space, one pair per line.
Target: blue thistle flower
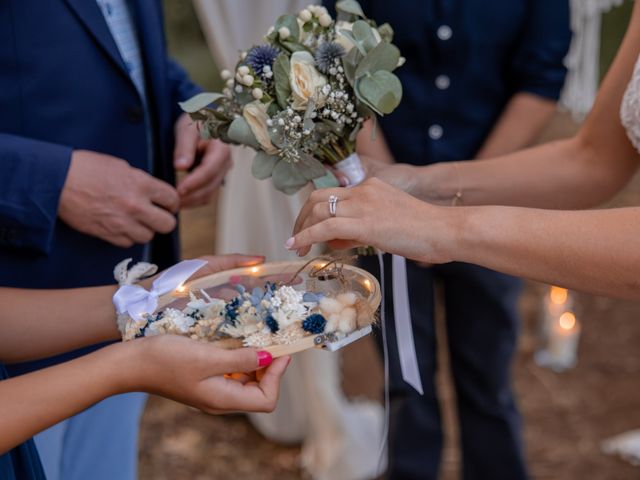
272,323
260,57
326,55
314,323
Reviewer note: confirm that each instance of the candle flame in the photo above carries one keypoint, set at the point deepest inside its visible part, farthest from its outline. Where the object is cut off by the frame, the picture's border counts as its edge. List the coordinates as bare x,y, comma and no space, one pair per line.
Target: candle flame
181,289
255,269
559,295
567,321
367,283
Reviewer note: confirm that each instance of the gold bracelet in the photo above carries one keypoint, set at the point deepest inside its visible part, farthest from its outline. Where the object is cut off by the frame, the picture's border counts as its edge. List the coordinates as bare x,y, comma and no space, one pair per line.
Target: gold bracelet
457,198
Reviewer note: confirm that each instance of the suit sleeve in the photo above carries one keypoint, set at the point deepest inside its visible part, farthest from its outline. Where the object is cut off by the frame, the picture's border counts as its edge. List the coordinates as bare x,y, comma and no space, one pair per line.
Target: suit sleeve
538,66
182,87
32,176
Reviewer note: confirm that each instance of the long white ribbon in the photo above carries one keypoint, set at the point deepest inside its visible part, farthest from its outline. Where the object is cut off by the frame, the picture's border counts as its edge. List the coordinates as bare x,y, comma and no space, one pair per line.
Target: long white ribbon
136,301
404,330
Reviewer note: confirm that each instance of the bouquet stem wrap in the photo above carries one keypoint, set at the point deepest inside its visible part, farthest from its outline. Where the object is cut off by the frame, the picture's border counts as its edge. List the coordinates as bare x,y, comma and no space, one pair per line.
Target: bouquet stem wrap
352,168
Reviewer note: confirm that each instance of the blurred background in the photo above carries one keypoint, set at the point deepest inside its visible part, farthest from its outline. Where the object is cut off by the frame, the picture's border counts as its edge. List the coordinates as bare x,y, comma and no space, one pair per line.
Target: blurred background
567,415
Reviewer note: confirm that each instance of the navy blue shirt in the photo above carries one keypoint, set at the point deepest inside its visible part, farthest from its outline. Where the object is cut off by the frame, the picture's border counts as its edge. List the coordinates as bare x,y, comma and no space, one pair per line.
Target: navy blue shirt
465,60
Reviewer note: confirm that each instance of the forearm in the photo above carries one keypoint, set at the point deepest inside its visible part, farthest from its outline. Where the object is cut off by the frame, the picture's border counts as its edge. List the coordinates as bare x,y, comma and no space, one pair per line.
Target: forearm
591,251
372,144
567,174
41,323
33,402
519,126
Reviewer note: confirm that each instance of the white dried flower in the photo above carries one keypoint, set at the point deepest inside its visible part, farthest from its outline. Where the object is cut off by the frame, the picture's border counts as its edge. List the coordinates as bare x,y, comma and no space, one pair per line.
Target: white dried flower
243,55
325,20
238,88
243,70
230,83
284,33
226,74
248,80
401,61
304,15
257,93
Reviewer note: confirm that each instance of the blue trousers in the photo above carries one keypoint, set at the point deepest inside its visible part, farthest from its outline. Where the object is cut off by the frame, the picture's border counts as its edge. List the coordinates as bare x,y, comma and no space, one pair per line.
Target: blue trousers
482,330
100,443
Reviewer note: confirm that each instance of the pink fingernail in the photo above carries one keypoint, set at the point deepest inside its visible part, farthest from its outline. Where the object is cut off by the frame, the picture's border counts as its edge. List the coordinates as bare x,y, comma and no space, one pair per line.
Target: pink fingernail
289,243
264,359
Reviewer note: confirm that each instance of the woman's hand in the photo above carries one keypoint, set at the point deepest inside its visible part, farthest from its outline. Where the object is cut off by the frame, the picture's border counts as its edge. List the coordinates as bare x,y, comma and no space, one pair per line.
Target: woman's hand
376,214
198,374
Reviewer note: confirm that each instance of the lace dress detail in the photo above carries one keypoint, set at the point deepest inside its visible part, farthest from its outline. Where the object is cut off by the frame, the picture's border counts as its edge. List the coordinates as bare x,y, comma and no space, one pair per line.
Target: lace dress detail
630,108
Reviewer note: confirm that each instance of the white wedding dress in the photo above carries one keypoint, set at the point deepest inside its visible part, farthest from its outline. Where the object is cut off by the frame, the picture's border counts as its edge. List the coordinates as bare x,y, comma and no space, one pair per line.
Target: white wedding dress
340,439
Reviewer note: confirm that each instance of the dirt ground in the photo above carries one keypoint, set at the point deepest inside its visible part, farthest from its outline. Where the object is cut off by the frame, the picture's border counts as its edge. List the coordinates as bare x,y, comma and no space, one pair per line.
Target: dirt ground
566,415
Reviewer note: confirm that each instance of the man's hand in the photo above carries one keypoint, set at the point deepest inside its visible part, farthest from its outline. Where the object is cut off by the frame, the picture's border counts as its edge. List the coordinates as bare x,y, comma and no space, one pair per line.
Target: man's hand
208,161
107,198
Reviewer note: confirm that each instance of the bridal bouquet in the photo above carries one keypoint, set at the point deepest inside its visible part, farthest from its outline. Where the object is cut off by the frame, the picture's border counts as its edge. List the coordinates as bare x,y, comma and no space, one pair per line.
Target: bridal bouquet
301,98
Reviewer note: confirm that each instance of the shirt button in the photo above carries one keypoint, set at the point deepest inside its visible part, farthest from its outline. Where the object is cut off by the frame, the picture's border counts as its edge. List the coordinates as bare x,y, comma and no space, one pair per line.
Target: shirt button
435,132
444,32
443,82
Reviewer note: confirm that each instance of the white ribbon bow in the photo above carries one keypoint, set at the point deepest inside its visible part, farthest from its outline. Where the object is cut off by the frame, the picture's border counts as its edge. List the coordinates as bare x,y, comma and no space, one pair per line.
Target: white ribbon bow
136,301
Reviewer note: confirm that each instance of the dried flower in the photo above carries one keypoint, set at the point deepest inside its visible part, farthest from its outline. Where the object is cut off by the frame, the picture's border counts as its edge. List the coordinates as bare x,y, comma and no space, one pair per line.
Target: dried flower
314,323
284,33
326,54
261,57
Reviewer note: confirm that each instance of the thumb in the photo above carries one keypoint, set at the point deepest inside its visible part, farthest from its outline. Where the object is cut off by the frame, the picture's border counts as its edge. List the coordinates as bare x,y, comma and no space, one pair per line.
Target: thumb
241,360
187,137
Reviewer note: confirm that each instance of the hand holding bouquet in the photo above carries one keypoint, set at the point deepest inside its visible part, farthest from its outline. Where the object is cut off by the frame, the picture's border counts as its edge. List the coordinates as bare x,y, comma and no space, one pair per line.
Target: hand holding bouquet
301,98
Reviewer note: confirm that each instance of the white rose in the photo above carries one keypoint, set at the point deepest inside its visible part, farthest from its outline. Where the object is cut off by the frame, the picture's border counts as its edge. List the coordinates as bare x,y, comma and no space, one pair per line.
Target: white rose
306,81
255,113
345,41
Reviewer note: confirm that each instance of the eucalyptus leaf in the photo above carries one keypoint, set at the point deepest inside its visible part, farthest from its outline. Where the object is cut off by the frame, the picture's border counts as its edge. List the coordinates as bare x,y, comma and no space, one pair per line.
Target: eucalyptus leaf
363,33
350,63
351,7
263,165
240,133
287,178
281,69
328,180
310,167
353,40
199,101
290,22
294,46
383,57
381,90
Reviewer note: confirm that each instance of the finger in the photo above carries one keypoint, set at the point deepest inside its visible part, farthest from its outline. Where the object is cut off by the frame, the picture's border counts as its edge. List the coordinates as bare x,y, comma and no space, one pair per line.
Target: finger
214,163
220,263
140,233
122,241
318,197
331,229
161,193
240,360
187,137
203,196
157,219
320,212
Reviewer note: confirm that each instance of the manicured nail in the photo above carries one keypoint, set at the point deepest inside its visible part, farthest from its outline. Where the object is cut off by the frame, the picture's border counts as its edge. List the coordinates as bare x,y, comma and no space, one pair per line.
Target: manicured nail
264,359
289,243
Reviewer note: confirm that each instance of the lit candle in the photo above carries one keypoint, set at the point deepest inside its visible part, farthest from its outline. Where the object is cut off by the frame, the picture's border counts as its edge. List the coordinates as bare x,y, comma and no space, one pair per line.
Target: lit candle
562,349
181,291
255,270
557,302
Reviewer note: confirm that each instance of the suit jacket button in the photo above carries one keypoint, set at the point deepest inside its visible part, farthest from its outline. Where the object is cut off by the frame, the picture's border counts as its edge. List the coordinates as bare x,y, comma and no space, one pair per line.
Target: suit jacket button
135,114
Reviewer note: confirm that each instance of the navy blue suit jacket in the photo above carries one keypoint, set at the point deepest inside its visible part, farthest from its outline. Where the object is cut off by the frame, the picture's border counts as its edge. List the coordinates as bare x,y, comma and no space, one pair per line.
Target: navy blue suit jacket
63,86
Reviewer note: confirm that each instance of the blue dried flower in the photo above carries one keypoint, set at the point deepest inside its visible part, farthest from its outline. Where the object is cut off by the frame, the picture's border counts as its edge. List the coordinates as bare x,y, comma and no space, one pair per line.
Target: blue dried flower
314,324
272,323
231,310
260,57
152,319
326,55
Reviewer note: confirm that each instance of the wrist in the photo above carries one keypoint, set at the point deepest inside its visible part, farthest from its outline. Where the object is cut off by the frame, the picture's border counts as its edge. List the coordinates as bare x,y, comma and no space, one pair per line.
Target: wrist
124,367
